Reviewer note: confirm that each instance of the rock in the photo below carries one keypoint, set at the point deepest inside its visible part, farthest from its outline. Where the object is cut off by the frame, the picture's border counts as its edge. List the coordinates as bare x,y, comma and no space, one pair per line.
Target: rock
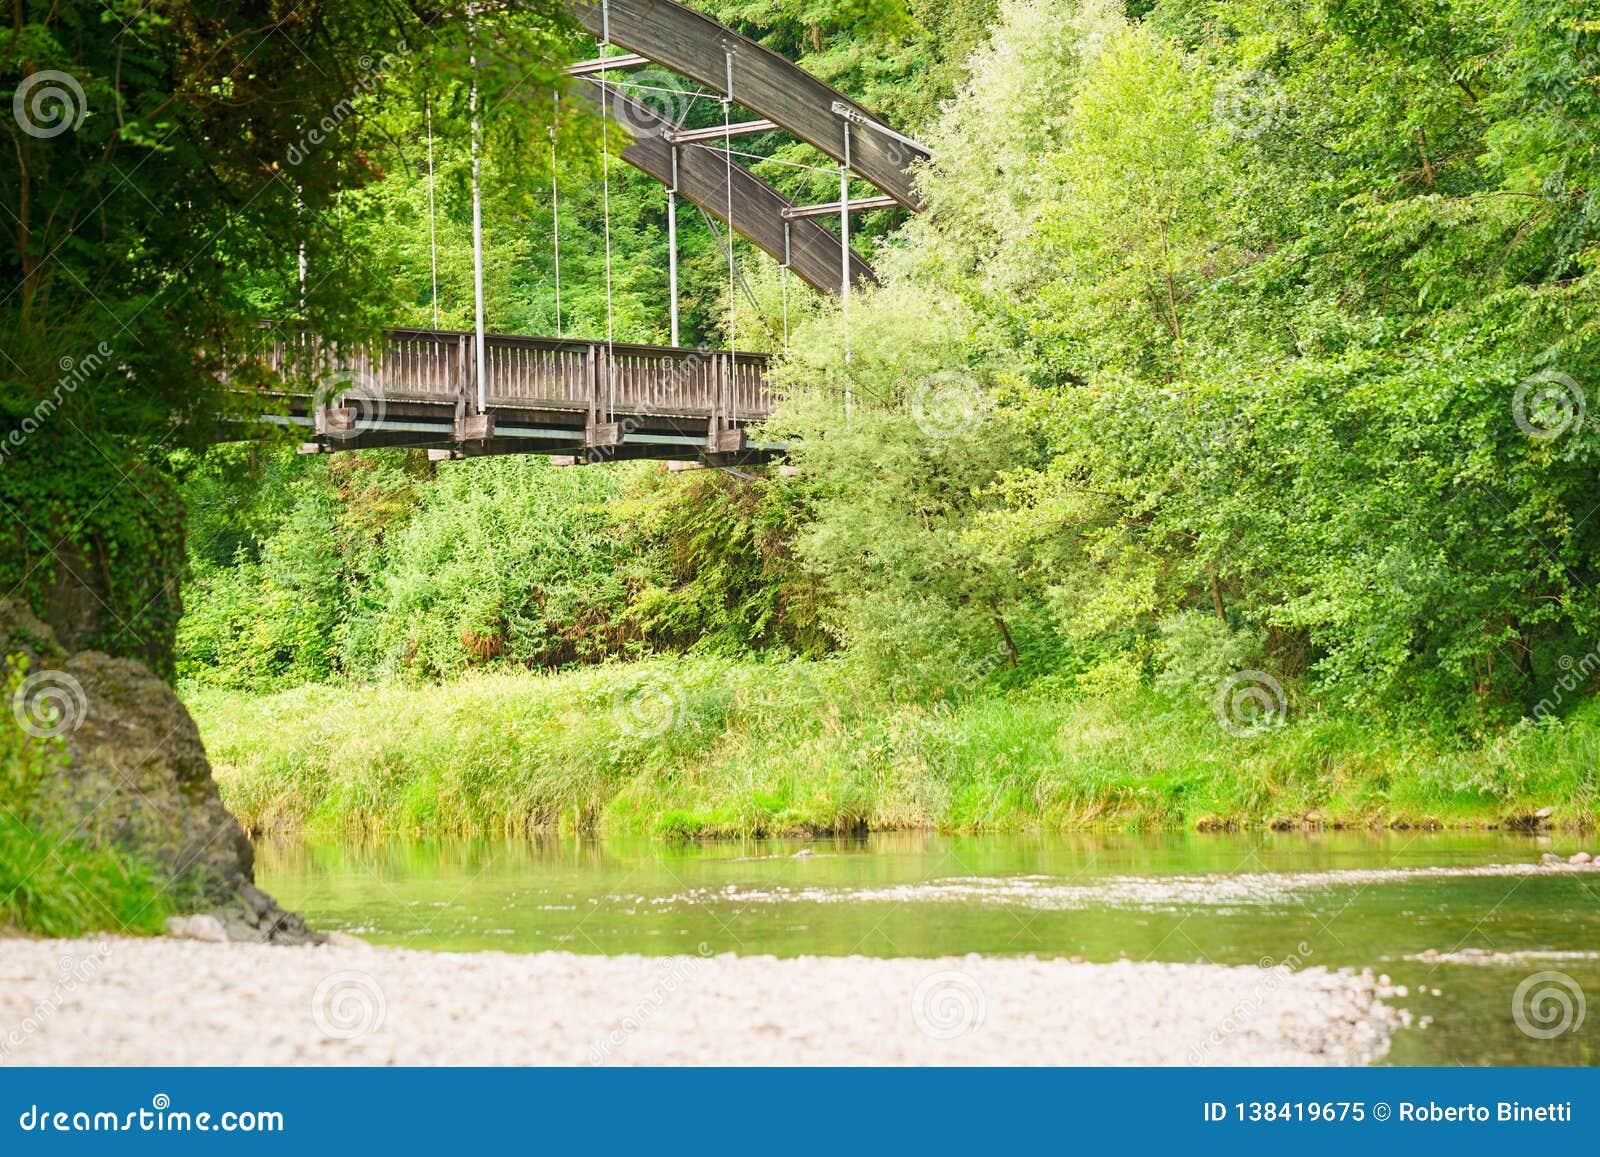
1580,858
1313,817
137,779
802,854
258,901
1544,813
343,940
1551,858
24,633
206,928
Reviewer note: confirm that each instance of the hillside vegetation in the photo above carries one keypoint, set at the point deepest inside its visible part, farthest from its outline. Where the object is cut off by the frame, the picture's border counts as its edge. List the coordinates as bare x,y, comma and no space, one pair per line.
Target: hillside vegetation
1216,449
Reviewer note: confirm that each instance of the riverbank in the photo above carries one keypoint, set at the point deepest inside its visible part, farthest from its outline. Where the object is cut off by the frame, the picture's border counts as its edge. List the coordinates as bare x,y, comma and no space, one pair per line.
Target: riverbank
169,1002
693,748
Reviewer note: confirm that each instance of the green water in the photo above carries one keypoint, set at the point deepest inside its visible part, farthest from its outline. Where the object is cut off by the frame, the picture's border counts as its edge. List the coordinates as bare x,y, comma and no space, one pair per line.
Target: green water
1171,898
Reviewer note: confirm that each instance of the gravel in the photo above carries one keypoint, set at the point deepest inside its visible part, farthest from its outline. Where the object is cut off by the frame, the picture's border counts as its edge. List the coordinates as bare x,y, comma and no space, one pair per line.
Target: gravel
181,1002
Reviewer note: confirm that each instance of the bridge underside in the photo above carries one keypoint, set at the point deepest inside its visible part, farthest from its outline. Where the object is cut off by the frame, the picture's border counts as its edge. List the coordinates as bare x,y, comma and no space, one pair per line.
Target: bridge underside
433,426
783,97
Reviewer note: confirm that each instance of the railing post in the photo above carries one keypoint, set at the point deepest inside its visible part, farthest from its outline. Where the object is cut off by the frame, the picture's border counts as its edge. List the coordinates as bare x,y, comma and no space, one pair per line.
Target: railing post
473,421
599,434
723,437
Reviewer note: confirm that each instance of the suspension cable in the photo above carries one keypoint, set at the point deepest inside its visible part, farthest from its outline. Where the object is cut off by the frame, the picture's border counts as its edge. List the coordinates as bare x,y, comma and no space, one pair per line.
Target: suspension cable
733,271
603,47
481,366
744,284
698,95
433,235
555,209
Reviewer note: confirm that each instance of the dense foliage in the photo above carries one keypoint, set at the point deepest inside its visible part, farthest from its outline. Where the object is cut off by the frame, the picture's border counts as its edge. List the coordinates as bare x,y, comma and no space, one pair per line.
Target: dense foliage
1283,315
1251,336
176,174
383,566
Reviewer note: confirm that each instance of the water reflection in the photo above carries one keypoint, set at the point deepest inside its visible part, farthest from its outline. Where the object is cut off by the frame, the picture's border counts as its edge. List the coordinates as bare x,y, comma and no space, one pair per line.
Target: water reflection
926,894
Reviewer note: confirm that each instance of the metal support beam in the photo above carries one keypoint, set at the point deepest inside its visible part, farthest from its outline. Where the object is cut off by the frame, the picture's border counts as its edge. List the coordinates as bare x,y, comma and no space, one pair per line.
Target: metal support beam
844,240
477,227
672,245
856,117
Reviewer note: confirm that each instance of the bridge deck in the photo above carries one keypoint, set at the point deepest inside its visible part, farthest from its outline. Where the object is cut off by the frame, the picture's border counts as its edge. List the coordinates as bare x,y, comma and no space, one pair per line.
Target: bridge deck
541,396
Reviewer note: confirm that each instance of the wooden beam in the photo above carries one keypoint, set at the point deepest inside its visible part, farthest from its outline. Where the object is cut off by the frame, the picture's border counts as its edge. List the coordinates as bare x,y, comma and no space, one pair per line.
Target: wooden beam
717,133
694,45
606,64
831,209
702,175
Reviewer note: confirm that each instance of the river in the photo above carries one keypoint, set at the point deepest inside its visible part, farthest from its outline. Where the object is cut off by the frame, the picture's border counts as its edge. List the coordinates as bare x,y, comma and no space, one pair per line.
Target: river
1499,959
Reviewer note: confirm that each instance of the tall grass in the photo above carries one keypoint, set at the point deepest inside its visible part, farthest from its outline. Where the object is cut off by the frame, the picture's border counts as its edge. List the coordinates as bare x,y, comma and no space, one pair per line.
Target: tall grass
52,884
54,887
705,747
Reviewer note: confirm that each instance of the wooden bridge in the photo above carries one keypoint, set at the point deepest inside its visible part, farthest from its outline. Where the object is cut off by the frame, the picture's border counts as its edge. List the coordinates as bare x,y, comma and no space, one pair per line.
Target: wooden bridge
596,400
588,400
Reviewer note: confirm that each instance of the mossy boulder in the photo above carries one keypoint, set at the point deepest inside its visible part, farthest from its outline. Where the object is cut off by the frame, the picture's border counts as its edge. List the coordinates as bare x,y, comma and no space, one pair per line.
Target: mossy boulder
136,776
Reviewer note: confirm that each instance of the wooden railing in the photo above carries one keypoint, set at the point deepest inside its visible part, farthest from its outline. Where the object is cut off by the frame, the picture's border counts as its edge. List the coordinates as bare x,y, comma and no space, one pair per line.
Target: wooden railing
417,365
